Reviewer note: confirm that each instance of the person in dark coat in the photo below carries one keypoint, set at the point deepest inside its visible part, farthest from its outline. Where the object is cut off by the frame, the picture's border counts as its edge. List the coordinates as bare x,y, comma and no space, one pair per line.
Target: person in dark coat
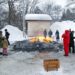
7,34
1,38
71,42
45,33
57,35
66,41
50,33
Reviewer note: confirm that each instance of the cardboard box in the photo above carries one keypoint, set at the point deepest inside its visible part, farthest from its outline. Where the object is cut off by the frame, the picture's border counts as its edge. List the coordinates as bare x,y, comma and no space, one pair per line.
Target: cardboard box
51,64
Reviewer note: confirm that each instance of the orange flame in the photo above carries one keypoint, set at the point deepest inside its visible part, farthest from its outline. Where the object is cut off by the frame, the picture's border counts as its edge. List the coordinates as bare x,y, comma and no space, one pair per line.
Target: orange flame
41,39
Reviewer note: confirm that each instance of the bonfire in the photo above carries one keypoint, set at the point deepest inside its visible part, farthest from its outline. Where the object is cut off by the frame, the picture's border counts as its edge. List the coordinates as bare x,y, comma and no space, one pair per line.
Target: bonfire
41,39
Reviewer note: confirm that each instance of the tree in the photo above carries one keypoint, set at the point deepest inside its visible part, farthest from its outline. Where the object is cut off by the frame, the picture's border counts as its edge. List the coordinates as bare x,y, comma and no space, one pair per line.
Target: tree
26,6
11,15
3,13
33,5
53,10
48,8
37,10
70,2
2,1
57,10
68,15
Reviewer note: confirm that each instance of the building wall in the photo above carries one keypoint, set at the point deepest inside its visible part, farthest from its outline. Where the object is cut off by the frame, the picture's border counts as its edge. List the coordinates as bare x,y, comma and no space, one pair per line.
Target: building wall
37,27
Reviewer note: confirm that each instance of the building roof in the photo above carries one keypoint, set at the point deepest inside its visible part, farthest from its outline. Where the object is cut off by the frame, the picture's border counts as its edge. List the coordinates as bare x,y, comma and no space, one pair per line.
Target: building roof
38,17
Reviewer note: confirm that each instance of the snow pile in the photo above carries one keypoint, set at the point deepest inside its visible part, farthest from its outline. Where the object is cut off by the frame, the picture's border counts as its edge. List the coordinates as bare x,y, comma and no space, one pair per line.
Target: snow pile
62,26
15,33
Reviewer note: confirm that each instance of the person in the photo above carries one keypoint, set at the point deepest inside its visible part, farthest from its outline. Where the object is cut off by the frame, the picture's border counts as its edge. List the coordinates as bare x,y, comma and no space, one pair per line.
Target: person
50,33
5,46
1,36
66,41
7,35
71,46
57,35
45,33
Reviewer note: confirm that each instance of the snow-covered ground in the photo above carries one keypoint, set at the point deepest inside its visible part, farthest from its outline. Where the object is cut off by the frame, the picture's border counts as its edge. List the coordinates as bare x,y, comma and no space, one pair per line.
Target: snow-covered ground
31,63
24,63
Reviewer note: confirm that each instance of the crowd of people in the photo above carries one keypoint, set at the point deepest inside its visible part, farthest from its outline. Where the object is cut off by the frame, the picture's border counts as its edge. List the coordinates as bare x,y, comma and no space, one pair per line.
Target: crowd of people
68,40
4,42
50,33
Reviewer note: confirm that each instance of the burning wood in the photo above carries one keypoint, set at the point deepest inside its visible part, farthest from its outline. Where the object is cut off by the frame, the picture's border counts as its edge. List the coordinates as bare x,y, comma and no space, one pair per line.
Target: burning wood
41,39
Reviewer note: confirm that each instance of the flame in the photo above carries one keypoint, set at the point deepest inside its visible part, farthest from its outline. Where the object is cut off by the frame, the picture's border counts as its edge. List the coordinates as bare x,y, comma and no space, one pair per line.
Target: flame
41,39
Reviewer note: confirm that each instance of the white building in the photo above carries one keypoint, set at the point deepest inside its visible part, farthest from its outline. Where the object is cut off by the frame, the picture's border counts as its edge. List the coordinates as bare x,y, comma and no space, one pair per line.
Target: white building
37,23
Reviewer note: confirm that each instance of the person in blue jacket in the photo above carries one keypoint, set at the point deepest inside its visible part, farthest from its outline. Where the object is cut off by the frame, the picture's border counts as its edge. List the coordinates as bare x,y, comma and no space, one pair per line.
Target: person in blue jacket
57,35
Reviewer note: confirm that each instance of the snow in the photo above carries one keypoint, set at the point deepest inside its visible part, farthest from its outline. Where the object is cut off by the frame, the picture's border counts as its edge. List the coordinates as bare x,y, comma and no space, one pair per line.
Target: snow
15,33
61,2
37,17
58,2
4,7
26,63
71,7
16,5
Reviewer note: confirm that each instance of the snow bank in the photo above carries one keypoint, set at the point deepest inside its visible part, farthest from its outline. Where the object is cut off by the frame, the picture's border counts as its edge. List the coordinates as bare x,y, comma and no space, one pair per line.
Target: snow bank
62,26
15,33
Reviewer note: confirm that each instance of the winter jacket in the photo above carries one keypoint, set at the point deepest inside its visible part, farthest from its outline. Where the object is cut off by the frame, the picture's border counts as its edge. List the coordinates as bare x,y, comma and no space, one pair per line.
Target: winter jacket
5,43
66,41
72,38
1,44
57,34
50,33
66,37
45,33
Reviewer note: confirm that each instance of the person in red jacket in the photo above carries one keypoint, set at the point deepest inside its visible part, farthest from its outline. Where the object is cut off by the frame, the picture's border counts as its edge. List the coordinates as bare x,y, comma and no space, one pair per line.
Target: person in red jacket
66,41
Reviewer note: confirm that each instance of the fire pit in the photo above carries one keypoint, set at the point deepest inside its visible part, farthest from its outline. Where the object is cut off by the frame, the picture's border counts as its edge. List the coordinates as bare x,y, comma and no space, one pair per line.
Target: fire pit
38,43
28,45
